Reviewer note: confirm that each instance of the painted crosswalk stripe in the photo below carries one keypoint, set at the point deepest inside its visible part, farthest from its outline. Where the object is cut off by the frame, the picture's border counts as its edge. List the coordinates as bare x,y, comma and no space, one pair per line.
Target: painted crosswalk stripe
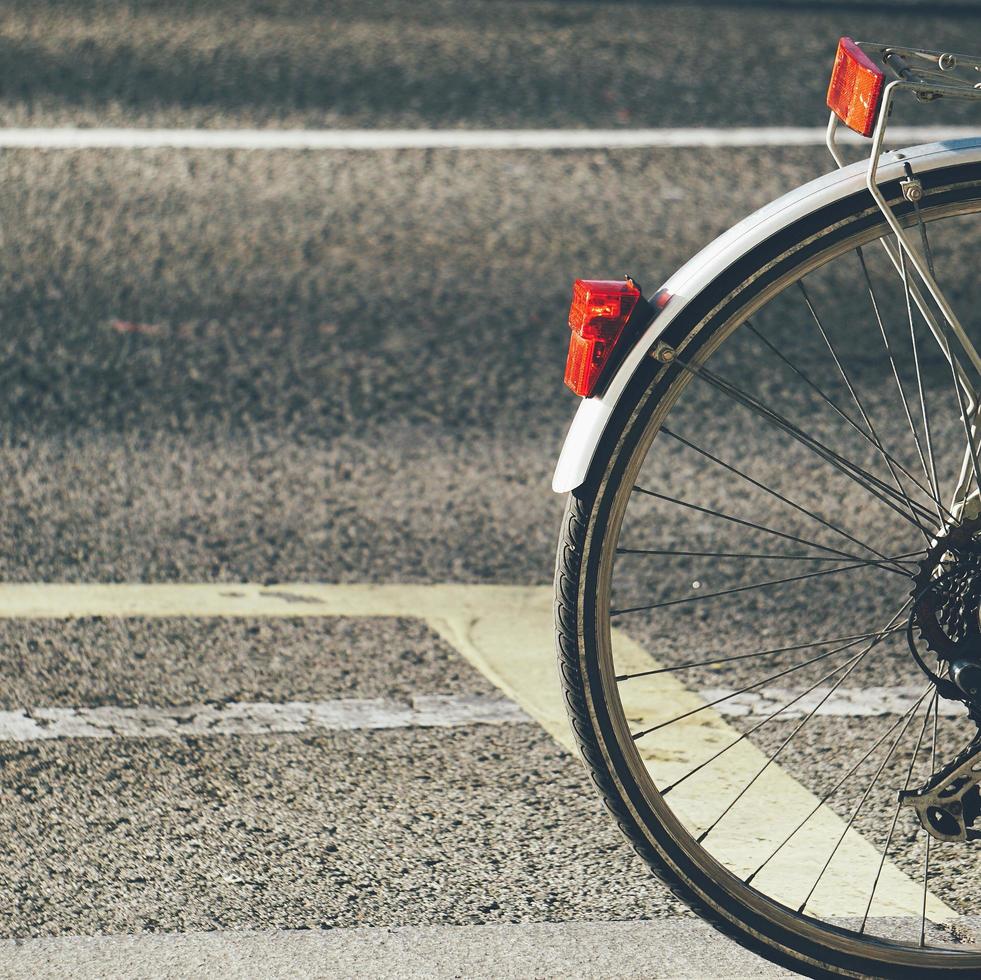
506,632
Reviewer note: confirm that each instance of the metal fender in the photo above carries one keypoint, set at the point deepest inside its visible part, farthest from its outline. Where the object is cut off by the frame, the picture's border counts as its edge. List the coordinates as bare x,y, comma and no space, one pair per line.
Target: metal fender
593,414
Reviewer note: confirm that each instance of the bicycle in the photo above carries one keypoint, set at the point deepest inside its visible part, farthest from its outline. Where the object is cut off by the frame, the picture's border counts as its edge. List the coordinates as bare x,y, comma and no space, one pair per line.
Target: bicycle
774,522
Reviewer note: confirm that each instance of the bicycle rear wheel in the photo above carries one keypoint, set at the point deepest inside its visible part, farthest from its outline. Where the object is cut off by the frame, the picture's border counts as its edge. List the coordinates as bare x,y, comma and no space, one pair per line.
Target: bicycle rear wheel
736,579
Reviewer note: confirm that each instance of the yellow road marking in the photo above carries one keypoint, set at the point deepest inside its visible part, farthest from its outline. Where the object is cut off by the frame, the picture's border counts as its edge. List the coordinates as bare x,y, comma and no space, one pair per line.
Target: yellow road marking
506,633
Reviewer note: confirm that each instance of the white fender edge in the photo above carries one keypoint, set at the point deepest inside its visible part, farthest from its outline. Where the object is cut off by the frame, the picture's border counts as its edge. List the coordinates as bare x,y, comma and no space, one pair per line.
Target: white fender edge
593,415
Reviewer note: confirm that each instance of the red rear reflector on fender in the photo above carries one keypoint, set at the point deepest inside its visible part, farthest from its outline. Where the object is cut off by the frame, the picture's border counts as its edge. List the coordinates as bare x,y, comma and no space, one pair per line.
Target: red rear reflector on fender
856,88
599,312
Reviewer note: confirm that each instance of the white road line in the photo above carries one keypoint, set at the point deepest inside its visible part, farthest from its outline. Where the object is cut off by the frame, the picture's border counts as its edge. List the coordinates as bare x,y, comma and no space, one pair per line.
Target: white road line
256,718
424,711
463,139
866,702
648,948
506,632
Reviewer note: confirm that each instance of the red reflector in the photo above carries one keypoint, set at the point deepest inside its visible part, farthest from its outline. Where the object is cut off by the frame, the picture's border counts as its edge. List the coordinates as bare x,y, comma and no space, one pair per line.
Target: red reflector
600,310
856,88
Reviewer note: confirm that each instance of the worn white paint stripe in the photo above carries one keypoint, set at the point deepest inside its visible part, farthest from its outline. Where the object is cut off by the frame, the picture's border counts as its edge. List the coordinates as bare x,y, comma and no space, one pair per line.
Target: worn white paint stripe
256,718
506,632
465,139
866,702
423,711
647,948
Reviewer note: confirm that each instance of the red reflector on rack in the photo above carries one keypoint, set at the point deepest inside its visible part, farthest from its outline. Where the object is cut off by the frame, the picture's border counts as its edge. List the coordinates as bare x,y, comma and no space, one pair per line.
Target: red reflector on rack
599,312
856,88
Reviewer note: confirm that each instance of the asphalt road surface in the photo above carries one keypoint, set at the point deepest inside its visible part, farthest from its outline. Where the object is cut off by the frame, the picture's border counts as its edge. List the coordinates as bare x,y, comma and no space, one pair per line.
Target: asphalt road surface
343,367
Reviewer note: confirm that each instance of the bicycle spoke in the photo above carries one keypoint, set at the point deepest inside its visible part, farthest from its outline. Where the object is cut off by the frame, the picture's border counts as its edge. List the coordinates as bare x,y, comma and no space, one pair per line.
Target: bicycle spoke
865,795
958,387
895,373
783,673
929,837
804,721
867,481
762,556
750,524
870,483
844,415
896,811
773,493
824,799
857,638
853,664
919,383
767,719
755,586
858,404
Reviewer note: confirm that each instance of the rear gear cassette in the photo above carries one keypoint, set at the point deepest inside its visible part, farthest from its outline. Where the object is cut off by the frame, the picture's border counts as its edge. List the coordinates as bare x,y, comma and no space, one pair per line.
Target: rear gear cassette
946,612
